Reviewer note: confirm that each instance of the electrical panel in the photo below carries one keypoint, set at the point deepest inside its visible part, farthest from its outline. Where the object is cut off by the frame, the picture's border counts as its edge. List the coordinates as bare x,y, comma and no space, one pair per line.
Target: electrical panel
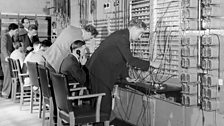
140,9
211,54
107,17
161,41
166,25
184,36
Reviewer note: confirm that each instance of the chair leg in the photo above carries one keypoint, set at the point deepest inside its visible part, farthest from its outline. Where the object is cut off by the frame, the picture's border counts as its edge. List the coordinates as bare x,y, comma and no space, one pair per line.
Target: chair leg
59,120
51,112
31,100
72,119
44,112
107,123
21,98
13,91
40,104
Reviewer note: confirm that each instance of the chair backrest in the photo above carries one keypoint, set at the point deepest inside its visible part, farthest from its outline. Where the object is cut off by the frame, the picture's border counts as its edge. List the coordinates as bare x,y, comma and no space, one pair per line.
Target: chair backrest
59,83
13,68
33,73
44,81
18,66
18,69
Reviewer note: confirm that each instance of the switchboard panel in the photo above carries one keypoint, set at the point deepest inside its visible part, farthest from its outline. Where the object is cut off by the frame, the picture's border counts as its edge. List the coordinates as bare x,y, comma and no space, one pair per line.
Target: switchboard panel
184,36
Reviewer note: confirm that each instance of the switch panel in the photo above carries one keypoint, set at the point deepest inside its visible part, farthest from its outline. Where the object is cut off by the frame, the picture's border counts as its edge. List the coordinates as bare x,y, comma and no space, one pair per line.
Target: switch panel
189,88
209,64
209,81
189,100
189,40
188,77
189,3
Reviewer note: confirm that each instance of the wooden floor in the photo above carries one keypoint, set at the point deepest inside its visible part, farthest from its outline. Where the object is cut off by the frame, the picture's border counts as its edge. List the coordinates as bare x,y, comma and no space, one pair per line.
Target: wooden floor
11,115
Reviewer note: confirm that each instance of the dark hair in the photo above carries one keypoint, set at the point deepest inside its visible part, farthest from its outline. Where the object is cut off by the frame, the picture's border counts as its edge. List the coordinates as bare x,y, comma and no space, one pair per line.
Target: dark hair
13,26
22,20
35,40
17,44
76,44
138,23
32,26
46,43
92,29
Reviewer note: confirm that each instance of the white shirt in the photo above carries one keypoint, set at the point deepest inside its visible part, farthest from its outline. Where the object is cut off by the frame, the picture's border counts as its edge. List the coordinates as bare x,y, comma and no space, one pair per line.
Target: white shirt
17,54
35,56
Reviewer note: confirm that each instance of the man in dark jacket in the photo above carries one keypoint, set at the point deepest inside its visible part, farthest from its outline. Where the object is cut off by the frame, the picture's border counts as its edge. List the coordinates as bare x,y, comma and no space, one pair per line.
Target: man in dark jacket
6,50
73,65
26,23
109,60
28,38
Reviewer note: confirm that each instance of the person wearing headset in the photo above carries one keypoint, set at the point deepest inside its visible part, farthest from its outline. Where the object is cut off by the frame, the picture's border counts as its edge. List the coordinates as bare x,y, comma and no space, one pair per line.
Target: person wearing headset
73,66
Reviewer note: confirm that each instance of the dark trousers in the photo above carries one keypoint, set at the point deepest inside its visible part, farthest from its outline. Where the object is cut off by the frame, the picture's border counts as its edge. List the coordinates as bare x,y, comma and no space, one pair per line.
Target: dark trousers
97,86
7,85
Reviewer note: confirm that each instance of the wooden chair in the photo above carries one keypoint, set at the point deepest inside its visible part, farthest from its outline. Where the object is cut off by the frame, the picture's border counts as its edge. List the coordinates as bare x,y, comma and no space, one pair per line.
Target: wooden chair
35,82
75,114
24,88
15,79
46,94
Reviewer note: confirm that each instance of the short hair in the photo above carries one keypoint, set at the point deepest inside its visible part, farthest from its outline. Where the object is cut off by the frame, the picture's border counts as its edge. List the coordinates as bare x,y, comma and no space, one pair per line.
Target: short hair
32,26
92,29
17,44
13,26
138,23
46,43
22,20
76,44
35,40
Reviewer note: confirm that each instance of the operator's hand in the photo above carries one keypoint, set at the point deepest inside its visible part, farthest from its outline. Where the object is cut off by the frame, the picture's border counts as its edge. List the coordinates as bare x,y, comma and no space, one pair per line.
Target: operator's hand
83,60
154,64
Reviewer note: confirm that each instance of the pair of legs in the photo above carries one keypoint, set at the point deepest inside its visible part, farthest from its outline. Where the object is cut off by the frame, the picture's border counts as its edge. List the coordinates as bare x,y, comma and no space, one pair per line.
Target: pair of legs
6,89
97,86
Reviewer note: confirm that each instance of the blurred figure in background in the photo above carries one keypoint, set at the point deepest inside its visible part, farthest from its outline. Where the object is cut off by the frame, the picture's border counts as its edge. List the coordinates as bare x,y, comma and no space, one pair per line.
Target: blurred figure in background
28,37
18,53
6,50
26,23
37,54
23,29
23,26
